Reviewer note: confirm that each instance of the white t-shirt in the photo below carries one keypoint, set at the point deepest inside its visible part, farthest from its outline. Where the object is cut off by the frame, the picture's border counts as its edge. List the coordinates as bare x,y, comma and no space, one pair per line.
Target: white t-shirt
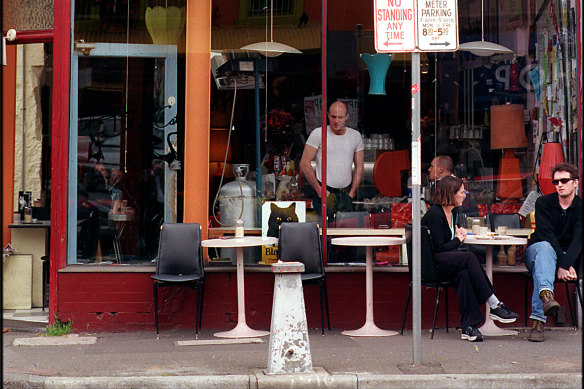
340,152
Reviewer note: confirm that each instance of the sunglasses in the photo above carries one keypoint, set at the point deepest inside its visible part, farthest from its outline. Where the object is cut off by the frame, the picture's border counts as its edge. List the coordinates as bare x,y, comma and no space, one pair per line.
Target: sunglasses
562,180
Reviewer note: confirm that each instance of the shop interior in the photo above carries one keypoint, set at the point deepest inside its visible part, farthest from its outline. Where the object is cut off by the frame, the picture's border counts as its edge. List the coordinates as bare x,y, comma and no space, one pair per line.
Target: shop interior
128,119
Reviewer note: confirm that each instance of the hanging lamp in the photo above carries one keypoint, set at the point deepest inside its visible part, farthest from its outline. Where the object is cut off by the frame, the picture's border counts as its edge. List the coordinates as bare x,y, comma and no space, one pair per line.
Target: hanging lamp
271,48
483,48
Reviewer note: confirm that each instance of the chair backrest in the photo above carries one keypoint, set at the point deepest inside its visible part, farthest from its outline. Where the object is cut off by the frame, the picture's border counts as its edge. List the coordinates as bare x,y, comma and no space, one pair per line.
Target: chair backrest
511,220
300,242
359,219
428,261
179,249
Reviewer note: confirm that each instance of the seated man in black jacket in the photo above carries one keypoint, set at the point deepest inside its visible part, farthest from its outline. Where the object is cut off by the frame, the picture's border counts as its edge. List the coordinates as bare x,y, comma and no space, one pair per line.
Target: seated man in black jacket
555,246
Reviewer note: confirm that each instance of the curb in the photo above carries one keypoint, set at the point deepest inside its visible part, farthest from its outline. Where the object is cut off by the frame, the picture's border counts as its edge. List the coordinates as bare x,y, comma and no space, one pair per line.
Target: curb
320,379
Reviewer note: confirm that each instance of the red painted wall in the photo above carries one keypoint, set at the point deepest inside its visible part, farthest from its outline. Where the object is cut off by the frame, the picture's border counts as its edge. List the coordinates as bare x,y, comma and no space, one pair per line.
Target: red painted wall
8,117
120,302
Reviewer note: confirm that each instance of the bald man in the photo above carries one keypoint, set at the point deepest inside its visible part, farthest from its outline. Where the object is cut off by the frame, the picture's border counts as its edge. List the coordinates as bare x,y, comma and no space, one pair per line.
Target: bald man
443,166
344,149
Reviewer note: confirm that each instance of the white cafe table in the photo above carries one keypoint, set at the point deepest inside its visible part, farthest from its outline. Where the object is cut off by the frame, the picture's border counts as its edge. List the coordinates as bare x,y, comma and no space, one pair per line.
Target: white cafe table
241,330
369,328
489,328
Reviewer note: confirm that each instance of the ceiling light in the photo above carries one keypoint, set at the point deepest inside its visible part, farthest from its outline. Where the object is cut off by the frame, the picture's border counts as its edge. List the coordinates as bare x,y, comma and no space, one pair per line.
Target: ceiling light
483,48
271,48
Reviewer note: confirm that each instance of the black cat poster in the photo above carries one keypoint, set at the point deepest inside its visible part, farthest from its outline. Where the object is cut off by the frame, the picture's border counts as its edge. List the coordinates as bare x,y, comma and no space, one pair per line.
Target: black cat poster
275,213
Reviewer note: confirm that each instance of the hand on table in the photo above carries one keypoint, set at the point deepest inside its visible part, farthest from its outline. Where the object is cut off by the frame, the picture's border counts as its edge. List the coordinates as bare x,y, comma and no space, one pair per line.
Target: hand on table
567,275
460,233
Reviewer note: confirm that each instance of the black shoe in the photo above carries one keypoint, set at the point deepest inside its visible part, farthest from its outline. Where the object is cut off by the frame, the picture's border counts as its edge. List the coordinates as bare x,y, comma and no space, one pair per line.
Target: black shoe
472,334
503,314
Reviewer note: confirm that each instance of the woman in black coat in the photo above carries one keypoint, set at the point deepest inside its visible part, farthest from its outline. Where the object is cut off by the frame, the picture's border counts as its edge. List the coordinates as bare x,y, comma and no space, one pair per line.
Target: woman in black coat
472,284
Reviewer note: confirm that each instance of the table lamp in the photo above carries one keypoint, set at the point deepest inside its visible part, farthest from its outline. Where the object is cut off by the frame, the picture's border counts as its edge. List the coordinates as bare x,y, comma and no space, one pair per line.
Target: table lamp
551,155
507,133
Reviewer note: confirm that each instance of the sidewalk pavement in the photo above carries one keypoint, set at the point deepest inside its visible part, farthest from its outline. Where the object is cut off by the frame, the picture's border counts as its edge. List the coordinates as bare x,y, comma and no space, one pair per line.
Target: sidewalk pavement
139,360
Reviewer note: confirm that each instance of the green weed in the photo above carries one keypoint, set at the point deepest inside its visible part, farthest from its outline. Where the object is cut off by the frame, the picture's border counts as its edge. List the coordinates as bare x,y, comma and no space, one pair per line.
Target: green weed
58,328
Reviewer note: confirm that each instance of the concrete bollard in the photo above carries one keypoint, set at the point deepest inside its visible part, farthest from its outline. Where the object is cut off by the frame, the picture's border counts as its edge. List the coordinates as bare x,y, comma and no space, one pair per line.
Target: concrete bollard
289,344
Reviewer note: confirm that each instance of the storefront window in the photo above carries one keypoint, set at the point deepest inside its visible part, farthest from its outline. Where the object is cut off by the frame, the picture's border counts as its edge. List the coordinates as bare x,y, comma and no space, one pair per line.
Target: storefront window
491,116
127,120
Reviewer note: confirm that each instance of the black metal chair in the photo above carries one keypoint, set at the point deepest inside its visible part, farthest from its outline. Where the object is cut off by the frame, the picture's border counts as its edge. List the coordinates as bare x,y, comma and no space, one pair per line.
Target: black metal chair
576,284
300,242
180,262
429,273
512,220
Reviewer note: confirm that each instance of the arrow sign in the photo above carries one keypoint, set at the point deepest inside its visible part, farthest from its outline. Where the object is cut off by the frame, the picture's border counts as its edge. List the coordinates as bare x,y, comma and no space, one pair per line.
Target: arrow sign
395,26
437,25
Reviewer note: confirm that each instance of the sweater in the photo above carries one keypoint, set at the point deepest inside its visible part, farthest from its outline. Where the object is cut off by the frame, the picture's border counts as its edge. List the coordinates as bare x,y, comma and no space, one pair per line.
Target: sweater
563,230
435,220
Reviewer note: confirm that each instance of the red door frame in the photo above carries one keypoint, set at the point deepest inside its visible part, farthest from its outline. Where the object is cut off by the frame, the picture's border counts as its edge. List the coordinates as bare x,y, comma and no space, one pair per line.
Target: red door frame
60,146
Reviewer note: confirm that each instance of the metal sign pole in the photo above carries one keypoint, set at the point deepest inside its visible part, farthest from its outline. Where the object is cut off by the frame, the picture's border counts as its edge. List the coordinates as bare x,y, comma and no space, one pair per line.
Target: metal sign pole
416,182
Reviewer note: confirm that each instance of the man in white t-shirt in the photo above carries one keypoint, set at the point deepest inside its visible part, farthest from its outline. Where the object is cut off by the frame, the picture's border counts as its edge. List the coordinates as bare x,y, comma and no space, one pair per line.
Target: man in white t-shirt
344,148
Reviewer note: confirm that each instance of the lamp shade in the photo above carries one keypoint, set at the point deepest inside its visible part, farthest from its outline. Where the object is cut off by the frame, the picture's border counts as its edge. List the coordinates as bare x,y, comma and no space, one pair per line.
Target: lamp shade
218,144
551,155
271,49
507,126
377,64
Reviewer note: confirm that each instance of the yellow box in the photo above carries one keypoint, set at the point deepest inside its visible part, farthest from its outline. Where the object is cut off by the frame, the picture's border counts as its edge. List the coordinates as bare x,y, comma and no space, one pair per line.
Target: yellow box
269,255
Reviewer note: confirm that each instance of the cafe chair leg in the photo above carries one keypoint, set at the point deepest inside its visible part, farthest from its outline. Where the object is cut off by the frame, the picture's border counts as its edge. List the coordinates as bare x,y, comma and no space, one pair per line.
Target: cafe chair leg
435,312
406,308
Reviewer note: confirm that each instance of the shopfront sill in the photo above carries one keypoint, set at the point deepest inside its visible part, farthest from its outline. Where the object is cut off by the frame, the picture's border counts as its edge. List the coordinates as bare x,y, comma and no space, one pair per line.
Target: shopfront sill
81,268
520,268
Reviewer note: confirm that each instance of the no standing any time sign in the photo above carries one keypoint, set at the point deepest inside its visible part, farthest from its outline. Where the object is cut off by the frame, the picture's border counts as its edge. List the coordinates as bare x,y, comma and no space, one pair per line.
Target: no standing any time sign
404,25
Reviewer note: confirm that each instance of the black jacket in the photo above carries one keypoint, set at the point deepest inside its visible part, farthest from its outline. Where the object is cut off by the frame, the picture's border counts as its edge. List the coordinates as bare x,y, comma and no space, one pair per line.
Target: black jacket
563,230
435,220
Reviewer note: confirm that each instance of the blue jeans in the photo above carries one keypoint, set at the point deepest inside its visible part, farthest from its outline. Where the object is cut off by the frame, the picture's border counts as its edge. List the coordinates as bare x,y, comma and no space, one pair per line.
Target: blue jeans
541,261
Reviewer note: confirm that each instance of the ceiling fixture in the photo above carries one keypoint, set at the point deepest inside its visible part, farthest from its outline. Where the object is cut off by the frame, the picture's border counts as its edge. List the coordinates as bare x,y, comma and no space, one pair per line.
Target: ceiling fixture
483,48
271,48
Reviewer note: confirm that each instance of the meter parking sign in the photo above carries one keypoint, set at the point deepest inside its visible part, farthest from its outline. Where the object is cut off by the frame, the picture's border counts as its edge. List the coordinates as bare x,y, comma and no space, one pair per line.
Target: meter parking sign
437,25
404,25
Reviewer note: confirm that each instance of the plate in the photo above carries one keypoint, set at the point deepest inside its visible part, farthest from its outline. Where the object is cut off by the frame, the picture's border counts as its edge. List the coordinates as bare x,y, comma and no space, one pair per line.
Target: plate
502,237
483,237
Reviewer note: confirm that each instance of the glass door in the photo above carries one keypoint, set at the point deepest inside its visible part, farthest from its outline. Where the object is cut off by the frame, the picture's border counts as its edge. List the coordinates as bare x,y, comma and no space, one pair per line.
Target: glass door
123,158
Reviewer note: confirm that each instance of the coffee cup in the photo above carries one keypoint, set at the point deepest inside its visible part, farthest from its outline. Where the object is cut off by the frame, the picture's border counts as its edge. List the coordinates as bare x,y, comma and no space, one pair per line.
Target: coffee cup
483,231
476,225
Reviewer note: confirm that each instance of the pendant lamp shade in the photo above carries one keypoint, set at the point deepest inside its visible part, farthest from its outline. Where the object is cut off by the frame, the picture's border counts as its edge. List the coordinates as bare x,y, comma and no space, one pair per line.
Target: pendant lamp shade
165,25
483,48
271,48
377,64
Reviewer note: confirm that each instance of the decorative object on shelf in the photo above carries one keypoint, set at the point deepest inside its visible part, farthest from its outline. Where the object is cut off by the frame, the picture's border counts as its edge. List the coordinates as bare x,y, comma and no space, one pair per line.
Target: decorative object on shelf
507,133
551,155
279,132
165,24
377,65
483,48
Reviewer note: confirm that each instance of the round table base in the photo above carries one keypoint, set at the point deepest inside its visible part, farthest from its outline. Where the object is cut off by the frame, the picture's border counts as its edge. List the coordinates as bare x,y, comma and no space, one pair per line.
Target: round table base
490,329
241,330
369,329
